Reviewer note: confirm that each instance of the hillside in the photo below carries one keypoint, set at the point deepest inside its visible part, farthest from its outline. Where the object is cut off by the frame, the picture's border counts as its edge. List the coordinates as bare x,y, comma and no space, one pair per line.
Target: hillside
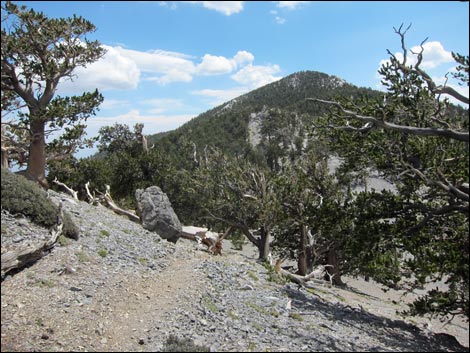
141,290
282,105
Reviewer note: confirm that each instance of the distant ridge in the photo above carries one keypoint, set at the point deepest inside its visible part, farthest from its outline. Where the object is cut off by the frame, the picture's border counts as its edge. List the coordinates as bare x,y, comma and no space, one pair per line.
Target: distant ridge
227,125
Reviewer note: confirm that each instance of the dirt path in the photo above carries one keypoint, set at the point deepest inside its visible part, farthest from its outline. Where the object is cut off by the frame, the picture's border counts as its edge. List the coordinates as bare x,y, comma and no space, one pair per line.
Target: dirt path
46,310
99,308
141,304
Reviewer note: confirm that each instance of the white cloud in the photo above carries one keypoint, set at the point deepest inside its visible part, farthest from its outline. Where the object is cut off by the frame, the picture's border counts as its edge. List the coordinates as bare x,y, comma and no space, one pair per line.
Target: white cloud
243,57
172,67
122,69
172,75
214,65
255,76
172,5
434,55
217,65
291,5
113,103
160,105
249,77
113,71
152,123
280,20
219,96
226,7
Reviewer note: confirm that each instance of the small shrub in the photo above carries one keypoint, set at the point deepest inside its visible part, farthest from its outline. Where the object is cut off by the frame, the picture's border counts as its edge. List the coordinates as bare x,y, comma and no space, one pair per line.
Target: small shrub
82,256
274,313
257,308
209,304
175,344
253,276
296,316
232,315
104,233
48,283
20,195
252,347
63,241
274,276
238,240
103,252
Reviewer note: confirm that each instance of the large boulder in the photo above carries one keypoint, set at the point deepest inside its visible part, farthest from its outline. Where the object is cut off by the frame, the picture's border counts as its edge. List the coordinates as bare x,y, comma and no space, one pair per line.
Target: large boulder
156,213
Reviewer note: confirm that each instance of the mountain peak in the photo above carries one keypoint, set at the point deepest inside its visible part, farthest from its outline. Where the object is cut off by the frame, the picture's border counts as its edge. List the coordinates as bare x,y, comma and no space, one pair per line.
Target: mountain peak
227,125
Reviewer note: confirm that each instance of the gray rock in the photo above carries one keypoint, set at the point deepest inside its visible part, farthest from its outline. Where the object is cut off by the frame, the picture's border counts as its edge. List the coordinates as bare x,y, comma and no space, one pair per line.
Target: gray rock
156,213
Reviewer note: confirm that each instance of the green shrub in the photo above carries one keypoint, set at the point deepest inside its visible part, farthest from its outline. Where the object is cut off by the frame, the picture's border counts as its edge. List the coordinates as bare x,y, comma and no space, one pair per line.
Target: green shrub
175,344
20,195
238,240
104,233
103,252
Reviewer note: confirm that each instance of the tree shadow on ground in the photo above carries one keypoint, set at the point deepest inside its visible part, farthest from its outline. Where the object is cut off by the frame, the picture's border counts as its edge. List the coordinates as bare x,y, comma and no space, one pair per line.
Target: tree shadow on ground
394,335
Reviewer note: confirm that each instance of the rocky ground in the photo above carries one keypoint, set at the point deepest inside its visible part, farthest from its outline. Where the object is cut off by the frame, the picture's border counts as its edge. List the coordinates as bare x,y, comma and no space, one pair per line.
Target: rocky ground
122,288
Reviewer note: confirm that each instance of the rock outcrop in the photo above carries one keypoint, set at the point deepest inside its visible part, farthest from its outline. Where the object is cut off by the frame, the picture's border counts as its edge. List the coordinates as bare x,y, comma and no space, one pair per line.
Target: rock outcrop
157,214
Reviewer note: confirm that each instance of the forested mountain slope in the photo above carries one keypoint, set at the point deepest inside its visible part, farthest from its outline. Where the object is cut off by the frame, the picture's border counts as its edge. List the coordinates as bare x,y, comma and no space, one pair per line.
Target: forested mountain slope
282,105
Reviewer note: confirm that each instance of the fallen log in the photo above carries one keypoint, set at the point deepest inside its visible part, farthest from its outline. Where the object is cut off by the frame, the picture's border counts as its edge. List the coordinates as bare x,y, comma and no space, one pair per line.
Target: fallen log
301,281
72,192
22,257
91,198
132,216
112,205
212,240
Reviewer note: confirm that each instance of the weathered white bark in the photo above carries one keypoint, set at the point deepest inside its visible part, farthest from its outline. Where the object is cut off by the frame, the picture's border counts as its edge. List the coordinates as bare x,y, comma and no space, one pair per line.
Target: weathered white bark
19,258
317,274
212,240
112,205
72,192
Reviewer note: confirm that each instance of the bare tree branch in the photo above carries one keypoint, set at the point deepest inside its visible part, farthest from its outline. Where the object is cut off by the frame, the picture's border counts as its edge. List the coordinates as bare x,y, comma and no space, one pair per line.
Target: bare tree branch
421,131
441,89
69,190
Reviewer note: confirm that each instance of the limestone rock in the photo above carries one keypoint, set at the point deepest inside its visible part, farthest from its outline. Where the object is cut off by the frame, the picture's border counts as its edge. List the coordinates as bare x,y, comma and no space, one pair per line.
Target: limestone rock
157,214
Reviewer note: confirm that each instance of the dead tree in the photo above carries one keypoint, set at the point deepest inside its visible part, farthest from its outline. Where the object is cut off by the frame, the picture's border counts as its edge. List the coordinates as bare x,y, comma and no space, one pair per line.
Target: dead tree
212,240
106,197
22,257
72,192
317,275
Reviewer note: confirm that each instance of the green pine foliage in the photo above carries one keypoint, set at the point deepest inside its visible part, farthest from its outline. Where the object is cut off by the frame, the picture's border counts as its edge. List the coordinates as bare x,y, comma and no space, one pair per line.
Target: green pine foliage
22,196
282,187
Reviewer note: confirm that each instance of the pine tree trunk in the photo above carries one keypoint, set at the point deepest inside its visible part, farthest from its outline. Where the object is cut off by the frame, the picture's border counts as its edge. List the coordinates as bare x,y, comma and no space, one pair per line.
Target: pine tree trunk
305,259
36,170
302,257
264,248
332,259
5,163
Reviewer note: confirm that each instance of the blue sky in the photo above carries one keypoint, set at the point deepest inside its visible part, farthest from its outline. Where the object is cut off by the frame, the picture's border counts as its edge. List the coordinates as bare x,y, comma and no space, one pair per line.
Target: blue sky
167,62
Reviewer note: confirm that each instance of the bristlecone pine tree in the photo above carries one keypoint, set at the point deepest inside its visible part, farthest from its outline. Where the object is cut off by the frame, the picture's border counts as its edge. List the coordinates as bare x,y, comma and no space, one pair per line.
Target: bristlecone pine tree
414,137
37,52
